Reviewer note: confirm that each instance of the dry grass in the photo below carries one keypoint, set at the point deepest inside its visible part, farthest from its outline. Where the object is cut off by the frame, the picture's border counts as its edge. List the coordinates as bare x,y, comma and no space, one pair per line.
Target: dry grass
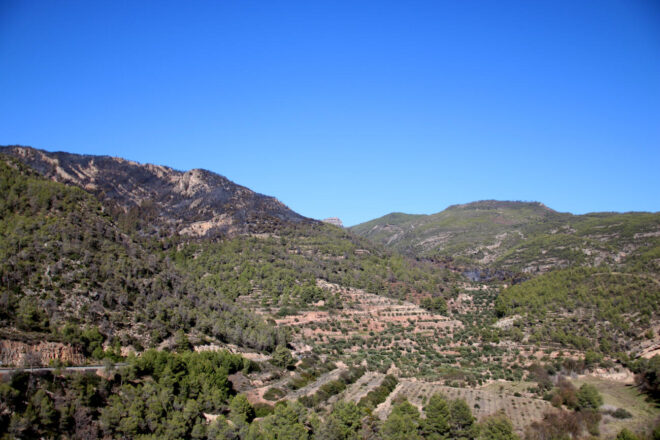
620,395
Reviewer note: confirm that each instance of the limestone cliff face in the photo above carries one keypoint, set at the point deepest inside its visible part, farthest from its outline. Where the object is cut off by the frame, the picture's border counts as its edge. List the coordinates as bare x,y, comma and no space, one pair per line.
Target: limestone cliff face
196,202
21,354
334,221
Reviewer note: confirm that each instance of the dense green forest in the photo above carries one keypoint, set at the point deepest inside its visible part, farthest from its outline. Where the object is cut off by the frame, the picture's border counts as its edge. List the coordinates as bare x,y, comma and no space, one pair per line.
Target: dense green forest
282,270
161,394
585,308
66,267
188,395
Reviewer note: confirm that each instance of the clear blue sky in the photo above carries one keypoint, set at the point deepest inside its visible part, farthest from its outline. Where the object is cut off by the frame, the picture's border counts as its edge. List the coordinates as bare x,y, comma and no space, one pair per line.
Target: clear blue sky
351,109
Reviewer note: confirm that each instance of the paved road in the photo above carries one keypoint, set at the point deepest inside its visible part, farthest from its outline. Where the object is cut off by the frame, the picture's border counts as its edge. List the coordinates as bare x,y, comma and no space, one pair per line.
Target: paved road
38,369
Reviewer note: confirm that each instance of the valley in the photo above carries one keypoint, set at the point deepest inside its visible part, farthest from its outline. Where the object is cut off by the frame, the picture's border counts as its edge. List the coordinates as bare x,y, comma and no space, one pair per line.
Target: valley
218,312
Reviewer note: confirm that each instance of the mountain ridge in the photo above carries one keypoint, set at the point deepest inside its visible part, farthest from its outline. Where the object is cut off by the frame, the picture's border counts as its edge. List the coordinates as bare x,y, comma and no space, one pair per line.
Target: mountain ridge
517,236
101,275
68,266
196,203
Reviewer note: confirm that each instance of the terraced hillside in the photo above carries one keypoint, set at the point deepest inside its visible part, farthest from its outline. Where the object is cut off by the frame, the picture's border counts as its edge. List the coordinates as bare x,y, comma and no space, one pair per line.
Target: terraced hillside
372,329
364,312
521,410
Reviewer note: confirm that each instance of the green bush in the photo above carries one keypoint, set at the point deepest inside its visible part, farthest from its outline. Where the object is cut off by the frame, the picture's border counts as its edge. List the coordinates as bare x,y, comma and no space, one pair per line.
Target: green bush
273,394
621,413
588,397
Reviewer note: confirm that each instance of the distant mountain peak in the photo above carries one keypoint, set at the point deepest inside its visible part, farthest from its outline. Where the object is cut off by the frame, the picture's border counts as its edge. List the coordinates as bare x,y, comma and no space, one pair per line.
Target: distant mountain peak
500,204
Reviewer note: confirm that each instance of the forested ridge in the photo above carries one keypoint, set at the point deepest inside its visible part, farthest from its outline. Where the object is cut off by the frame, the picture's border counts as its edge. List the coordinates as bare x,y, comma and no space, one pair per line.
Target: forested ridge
284,269
67,266
70,266
585,308
516,236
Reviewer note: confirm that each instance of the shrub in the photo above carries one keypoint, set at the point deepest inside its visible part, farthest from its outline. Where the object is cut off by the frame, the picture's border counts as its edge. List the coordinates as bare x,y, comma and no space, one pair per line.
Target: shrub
626,435
621,413
588,397
262,409
282,358
274,394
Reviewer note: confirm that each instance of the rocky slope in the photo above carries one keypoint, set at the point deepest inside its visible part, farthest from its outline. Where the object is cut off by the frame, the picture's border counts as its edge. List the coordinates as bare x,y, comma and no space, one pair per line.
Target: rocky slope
334,221
195,203
22,354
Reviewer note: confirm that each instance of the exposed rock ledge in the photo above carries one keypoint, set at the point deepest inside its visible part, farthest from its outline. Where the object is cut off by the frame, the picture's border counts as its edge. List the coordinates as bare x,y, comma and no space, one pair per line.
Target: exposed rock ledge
21,354
333,221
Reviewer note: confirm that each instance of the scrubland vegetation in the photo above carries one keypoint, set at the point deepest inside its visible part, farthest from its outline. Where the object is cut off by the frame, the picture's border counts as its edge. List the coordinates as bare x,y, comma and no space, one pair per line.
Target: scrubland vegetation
351,340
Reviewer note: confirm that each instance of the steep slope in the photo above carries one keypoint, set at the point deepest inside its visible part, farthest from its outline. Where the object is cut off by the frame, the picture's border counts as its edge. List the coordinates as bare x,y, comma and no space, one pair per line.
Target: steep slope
70,259
66,268
195,203
516,236
587,308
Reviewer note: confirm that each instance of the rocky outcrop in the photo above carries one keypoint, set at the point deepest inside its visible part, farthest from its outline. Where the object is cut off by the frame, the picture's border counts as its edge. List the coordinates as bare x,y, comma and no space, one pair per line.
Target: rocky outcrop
196,203
21,354
333,221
